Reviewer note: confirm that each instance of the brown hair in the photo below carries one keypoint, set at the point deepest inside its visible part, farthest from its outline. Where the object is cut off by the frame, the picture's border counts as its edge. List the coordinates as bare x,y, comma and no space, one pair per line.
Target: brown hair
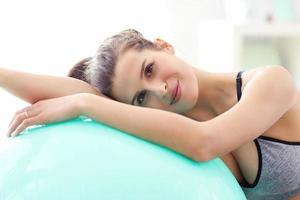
99,69
79,68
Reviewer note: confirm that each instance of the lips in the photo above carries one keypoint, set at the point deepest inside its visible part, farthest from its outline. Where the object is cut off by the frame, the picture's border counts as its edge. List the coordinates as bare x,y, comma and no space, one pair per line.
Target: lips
176,93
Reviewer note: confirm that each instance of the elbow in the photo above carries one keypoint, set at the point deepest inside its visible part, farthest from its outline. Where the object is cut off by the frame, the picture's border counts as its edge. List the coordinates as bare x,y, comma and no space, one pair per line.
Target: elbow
202,152
201,156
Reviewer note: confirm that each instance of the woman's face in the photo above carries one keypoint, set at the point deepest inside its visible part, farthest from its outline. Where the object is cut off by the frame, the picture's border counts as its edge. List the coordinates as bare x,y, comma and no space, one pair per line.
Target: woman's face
155,79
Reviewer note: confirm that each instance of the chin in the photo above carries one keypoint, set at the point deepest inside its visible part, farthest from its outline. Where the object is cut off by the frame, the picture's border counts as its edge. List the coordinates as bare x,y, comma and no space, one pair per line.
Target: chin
186,103
183,107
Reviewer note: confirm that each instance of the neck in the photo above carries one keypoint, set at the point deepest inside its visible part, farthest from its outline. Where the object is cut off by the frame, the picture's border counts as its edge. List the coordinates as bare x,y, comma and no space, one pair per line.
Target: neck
217,94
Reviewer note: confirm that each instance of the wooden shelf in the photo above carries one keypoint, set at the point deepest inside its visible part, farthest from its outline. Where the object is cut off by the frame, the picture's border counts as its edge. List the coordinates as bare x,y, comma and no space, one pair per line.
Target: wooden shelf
269,30
261,44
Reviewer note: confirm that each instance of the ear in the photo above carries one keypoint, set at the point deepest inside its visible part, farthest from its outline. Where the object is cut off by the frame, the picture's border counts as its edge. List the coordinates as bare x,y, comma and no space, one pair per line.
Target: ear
164,45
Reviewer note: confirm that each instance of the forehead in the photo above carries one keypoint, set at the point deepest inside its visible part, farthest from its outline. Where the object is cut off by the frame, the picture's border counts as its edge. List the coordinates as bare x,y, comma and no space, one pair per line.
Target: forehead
127,75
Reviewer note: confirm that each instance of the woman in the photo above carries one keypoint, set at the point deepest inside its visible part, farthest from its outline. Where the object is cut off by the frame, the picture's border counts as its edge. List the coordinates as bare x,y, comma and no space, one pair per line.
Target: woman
248,119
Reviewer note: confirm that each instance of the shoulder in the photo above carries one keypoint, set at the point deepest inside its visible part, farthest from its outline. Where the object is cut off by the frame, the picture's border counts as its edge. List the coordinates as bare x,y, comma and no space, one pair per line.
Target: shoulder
268,84
267,93
248,75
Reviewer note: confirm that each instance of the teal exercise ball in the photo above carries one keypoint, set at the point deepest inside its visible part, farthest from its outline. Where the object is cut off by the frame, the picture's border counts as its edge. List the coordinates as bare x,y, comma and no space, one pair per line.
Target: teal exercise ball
84,159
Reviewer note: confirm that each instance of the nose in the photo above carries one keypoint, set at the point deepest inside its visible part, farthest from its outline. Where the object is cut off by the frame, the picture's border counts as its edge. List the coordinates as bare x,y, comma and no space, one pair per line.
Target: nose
158,89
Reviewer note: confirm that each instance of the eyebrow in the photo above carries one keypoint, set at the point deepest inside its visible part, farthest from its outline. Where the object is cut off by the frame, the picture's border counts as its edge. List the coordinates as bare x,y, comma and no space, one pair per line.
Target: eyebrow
141,77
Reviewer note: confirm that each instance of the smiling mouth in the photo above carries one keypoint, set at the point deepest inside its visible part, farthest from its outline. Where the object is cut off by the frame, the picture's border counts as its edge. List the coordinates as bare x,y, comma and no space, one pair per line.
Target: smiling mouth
176,93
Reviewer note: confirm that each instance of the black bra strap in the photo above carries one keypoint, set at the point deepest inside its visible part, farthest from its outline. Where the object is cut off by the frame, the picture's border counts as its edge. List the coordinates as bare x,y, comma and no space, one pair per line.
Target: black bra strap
239,85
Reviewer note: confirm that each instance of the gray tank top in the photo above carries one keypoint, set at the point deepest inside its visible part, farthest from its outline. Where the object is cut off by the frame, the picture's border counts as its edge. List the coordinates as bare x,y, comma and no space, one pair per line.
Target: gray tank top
278,176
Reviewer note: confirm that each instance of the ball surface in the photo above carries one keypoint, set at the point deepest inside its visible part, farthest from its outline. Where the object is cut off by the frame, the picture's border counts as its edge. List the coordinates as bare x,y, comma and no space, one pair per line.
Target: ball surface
84,159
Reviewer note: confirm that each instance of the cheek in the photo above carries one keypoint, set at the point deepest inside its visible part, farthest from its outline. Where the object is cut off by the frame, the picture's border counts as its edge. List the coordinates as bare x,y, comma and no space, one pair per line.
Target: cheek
155,103
189,93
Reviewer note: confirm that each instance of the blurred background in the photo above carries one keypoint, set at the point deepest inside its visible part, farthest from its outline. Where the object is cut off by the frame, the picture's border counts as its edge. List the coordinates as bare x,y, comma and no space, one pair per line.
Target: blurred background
49,37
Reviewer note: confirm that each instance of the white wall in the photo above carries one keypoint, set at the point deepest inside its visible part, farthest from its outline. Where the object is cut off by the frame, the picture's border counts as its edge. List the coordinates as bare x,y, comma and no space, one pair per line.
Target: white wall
48,37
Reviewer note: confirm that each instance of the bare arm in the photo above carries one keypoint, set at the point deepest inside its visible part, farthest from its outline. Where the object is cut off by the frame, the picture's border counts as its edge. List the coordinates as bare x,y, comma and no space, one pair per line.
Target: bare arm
168,129
33,87
265,99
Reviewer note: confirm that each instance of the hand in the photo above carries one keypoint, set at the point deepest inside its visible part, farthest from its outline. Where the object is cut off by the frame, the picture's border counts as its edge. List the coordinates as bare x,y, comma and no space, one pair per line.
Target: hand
45,111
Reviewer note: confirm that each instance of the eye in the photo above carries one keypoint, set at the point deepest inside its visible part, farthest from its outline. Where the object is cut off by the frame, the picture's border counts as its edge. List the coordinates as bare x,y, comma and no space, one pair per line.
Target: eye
149,69
141,97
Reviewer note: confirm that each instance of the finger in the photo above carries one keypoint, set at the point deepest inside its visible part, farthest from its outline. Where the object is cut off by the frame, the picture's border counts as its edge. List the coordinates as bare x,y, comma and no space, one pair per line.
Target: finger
15,115
17,120
19,112
25,123
30,112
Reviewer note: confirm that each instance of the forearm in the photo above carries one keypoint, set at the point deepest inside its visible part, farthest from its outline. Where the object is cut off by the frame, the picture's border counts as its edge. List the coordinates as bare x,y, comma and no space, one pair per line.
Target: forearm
34,87
171,130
